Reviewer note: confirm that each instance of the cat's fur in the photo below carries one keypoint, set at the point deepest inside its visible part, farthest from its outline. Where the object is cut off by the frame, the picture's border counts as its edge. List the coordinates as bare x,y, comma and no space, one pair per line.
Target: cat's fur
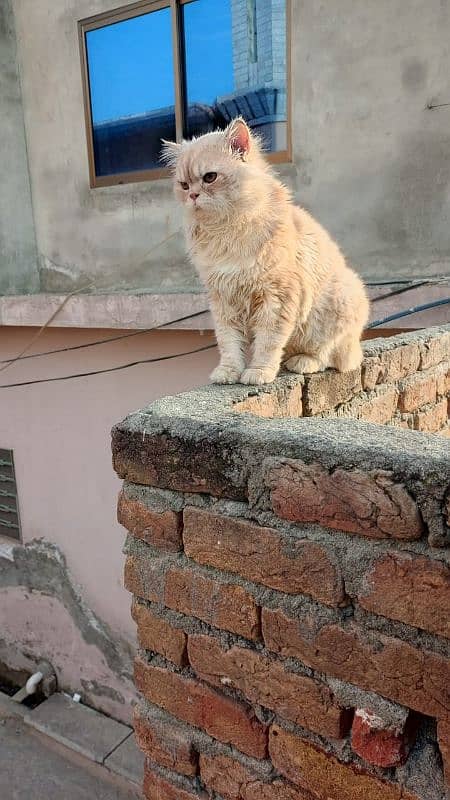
276,279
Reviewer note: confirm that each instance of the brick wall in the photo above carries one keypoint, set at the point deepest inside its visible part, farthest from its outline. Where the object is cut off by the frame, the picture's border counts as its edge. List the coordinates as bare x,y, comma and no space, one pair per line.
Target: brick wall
290,581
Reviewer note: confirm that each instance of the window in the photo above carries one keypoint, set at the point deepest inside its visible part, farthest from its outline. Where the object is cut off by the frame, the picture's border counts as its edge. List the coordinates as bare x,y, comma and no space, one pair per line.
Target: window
9,510
173,68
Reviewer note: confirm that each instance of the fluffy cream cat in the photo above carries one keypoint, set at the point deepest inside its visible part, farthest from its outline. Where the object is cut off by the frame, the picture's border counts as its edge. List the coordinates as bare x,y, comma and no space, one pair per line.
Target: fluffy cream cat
275,278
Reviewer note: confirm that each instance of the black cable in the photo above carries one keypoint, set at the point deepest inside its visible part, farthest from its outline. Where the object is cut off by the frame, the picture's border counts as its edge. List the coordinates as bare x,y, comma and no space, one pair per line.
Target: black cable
407,312
105,341
110,369
376,323
410,285
401,290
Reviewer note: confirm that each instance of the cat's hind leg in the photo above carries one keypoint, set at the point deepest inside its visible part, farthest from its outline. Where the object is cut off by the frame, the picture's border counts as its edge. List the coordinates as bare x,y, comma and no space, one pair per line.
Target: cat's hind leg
347,353
304,363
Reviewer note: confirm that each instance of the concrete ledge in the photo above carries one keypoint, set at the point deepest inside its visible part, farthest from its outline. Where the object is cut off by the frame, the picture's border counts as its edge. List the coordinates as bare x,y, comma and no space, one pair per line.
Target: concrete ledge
145,310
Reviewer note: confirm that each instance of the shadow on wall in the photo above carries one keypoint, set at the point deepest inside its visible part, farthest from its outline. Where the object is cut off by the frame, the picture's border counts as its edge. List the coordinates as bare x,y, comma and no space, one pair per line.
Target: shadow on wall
43,615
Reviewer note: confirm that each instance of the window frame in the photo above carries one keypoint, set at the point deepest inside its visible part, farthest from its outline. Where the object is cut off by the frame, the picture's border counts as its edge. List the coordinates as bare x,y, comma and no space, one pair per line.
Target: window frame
135,10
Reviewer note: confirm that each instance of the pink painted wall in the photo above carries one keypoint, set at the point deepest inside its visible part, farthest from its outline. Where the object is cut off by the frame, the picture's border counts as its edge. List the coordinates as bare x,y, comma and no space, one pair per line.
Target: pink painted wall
60,435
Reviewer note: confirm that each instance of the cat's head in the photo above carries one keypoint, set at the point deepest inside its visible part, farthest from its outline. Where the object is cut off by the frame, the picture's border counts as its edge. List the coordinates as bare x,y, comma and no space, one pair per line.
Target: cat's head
217,174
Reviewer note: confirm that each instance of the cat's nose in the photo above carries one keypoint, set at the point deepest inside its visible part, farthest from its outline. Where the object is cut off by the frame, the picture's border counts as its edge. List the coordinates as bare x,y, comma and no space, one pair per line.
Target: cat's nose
193,196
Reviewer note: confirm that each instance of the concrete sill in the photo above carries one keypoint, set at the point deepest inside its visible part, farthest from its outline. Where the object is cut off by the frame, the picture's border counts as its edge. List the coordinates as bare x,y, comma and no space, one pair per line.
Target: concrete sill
147,310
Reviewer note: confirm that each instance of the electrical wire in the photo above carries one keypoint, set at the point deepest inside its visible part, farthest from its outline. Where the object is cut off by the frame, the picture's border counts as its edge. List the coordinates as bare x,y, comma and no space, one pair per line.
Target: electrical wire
105,341
410,285
400,290
407,312
376,323
109,369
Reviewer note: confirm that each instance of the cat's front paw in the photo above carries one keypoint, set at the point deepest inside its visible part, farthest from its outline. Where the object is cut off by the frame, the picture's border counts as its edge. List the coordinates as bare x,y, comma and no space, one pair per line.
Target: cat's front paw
225,375
257,376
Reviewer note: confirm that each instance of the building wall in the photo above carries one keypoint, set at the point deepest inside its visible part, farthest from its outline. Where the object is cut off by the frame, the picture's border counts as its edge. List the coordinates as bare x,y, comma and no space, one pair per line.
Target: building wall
370,159
68,604
18,266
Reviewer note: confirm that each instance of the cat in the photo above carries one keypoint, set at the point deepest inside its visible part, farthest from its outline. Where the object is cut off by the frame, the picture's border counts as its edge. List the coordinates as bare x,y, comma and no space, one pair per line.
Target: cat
276,279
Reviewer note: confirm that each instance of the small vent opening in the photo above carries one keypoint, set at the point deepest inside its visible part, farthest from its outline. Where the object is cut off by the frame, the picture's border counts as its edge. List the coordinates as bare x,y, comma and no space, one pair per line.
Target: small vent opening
9,507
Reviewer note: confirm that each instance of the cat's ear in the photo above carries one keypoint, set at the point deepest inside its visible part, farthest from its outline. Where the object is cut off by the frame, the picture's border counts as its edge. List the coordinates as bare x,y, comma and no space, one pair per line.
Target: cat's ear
170,152
238,137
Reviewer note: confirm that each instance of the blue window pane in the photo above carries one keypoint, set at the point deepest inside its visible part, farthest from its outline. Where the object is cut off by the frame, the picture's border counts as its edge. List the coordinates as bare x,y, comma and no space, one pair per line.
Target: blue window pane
132,91
235,64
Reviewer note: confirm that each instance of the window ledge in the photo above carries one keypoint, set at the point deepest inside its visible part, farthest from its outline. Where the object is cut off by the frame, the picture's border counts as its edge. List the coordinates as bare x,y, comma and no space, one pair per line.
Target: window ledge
130,311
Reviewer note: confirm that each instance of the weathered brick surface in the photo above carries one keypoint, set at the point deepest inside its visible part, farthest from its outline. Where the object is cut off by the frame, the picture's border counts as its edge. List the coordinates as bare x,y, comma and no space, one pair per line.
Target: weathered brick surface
158,635
435,351
323,775
395,669
443,730
433,418
174,462
158,788
390,365
193,702
224,605
233,781
326,390
144,578
412,589
266,682
164,743
368,503
370,666
380,744
262,555
158,528
267,404
379,407
417,390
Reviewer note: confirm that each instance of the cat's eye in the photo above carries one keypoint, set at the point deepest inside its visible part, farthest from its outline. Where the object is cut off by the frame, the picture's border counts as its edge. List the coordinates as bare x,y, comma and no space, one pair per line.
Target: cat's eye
209,177
184,185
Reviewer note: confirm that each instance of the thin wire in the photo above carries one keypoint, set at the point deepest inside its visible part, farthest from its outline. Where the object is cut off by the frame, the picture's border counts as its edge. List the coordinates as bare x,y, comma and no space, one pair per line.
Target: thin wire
411,284
407,312
10,362
105,341
374,324
401,290
109,369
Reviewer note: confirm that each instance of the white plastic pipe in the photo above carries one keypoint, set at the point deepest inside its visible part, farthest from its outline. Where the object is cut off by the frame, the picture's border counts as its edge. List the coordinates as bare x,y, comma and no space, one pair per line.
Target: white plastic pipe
33,682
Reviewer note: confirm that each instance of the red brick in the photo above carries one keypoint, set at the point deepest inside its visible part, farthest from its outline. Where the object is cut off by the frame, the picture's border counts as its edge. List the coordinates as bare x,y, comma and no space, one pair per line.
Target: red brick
234,781
323,775
278,790
158,528
418,390
157,788
271,405
417,679
144,577
157,634
379,744
262,555
224,605
443,730
266,682
326,390
368,503
193,702
379,407
390,365
435,351
411,589
431,419
165,743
